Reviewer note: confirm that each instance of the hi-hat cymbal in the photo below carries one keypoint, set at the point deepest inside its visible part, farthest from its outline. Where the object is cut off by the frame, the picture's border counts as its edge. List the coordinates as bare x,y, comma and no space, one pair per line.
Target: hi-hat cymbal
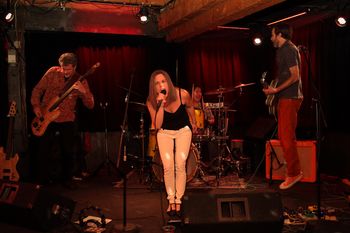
244,85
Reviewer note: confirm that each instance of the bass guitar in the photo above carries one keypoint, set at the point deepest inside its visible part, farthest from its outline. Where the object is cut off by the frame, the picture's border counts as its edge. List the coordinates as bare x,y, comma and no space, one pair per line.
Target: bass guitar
51,112
271,100
9,160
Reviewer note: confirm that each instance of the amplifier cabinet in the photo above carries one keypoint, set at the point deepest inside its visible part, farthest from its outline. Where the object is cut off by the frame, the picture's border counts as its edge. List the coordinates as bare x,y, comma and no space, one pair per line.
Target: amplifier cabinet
307,157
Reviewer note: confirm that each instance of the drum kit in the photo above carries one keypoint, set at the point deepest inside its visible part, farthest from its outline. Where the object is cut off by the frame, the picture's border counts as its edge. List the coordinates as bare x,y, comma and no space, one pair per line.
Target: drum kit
218,163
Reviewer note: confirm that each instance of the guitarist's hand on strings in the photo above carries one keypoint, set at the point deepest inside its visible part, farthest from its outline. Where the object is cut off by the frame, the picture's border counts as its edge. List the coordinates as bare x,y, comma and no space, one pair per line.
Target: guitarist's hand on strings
80,87
37,112
270,90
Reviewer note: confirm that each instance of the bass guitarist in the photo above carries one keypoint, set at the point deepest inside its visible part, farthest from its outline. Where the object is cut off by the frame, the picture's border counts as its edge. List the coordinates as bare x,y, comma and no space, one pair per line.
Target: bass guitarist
62,130
289,94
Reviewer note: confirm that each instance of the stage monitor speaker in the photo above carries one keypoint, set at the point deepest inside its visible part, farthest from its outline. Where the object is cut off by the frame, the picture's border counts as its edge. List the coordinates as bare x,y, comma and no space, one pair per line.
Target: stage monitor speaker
207,211
307,157
326,226
28,205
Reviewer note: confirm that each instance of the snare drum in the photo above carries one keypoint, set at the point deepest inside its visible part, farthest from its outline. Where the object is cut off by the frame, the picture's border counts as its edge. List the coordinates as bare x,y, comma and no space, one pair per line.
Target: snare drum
191,165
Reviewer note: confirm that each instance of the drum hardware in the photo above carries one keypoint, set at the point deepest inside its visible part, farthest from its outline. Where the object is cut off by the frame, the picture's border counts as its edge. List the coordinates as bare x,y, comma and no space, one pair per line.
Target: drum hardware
225,160
200,164
142,137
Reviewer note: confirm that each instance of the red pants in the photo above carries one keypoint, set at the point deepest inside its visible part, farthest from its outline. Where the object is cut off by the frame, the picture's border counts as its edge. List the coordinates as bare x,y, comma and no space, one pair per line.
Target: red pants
287,123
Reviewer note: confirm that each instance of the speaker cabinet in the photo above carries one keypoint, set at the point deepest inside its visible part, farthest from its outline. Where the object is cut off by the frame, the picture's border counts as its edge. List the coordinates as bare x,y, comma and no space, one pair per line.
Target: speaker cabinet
207,211
307,158
28,205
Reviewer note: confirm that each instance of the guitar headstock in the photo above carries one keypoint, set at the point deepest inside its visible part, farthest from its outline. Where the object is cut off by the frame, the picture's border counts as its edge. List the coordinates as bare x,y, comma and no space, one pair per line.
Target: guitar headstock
91,70
13,109
96,65
263,78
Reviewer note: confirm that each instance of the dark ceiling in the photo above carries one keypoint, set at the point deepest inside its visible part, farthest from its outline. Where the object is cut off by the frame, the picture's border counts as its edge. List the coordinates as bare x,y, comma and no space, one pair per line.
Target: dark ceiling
182,19
316,10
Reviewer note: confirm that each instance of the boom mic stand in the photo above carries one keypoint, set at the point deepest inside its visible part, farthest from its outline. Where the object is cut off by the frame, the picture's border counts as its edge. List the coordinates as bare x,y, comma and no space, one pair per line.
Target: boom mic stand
273,156
120,228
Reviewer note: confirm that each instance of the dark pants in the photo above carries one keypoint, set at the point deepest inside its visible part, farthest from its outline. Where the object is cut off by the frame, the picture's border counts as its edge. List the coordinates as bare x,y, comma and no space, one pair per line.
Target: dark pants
57,144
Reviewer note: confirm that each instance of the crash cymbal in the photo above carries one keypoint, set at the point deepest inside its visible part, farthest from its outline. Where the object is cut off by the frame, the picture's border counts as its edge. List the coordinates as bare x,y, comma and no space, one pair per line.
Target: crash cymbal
220,90
244,85
140,107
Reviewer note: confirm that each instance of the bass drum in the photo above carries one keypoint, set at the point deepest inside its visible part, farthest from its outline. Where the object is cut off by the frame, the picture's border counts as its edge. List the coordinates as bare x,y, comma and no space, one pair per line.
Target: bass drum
191,165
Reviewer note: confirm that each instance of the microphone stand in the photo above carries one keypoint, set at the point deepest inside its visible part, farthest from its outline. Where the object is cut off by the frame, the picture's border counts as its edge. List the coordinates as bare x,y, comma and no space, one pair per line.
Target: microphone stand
121,228
319,114
273,156
108,162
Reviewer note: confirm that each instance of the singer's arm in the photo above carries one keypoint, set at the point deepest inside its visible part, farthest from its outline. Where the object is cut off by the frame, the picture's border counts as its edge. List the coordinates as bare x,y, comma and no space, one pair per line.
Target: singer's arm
156,116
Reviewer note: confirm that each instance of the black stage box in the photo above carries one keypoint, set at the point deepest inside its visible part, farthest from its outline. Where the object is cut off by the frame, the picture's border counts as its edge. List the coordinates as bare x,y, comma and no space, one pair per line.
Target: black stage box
28,205
218,211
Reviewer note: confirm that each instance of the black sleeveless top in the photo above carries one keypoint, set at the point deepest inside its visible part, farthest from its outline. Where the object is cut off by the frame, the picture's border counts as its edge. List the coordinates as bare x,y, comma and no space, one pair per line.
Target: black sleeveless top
177,119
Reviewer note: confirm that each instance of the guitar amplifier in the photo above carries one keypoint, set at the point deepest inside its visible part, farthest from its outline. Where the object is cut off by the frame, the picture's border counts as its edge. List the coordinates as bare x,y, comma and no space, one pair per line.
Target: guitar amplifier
307,158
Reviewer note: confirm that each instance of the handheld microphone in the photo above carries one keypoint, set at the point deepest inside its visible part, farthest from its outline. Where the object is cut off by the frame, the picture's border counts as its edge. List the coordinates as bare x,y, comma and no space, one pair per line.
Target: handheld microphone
160,102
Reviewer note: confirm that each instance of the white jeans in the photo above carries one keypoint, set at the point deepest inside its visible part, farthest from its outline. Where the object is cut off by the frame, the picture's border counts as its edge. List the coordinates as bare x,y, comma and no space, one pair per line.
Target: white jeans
174,146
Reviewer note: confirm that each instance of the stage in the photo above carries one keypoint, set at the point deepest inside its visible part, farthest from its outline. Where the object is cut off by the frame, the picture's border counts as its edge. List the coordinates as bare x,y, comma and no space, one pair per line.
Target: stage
251,197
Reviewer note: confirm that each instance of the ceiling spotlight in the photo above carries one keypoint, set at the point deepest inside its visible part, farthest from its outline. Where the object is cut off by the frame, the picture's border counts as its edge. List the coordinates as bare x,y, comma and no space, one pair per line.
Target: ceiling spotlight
143,14
9,17
340,21
257,40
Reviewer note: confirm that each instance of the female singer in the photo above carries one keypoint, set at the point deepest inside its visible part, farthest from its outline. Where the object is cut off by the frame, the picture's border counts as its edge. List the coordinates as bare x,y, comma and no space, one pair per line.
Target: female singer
172,114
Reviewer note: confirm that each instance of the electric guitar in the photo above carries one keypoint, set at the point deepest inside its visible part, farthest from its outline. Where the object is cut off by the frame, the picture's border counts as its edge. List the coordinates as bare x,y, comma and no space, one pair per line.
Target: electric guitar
271,100
8,161
51,112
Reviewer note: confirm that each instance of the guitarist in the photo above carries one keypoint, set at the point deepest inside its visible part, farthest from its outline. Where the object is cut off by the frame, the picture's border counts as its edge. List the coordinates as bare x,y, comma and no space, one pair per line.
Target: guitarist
63,129
289,93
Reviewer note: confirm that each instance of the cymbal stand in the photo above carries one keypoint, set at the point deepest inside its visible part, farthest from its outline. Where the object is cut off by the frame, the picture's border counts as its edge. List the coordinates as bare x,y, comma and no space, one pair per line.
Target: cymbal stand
142,136
220,167
200,172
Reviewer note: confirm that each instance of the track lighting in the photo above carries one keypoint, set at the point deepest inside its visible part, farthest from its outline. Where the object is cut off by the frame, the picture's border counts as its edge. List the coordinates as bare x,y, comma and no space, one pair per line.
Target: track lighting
9,17
341,21
143,14
257,40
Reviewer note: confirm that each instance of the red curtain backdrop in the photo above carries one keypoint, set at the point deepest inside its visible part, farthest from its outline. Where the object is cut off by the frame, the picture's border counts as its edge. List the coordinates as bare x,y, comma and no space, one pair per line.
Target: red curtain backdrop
211,62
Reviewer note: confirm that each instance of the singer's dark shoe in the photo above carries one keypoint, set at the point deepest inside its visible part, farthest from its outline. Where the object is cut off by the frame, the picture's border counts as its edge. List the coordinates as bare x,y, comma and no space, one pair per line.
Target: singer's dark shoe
178,210
171,211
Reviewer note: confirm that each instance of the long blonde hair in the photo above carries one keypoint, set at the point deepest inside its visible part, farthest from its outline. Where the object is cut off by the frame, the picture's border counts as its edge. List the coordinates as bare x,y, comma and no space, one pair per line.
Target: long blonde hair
152,94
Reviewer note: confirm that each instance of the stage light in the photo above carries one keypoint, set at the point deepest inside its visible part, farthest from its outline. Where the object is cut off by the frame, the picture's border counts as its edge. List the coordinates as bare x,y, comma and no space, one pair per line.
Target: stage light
340,21
257,40
143,14
9,17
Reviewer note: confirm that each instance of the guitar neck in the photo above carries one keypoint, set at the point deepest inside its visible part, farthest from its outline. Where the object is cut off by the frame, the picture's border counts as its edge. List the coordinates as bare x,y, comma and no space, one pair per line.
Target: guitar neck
69,89
9,145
